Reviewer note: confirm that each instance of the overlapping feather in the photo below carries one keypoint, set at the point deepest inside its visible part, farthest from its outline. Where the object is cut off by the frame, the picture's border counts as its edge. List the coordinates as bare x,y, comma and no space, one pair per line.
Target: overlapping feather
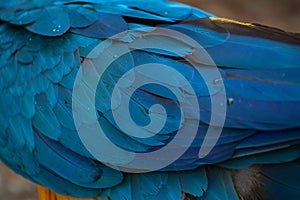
41,45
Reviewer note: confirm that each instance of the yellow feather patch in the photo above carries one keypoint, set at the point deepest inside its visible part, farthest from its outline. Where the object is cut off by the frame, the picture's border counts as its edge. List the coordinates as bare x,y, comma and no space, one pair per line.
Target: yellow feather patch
46,194
241,197
225,20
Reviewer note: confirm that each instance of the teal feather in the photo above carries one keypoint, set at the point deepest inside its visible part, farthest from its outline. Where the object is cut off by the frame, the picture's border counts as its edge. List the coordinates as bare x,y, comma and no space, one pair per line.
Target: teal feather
55,74
81,16
79,170
58,18
13,107
104,27
120,139
16,130
37,85
44,119
10,74
30,164
23,56
50,180
221,189
122,191
198,178
28,106
64,115
3,125
22,133
172,189
128,11
18,90
52,94
28,134
148,186
71,140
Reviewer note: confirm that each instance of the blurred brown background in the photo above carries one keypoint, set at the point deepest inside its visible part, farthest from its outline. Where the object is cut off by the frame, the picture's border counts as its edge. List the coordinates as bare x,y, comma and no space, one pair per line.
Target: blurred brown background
283,14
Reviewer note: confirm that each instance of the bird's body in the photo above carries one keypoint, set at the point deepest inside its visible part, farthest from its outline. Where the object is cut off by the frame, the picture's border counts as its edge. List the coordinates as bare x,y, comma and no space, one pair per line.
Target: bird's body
44,45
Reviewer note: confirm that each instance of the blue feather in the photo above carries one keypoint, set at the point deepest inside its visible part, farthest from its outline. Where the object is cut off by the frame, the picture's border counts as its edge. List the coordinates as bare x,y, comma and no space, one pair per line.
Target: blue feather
45,44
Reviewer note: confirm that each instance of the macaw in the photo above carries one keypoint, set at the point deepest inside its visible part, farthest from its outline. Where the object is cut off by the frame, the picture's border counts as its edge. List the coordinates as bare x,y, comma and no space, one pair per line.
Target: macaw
189,105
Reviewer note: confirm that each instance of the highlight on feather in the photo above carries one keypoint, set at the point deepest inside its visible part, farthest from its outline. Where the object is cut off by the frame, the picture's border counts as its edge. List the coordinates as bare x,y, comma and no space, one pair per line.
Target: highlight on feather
225,20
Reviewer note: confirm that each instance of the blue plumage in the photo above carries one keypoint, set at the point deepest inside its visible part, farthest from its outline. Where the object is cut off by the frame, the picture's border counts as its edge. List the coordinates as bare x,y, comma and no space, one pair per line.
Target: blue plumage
46,45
